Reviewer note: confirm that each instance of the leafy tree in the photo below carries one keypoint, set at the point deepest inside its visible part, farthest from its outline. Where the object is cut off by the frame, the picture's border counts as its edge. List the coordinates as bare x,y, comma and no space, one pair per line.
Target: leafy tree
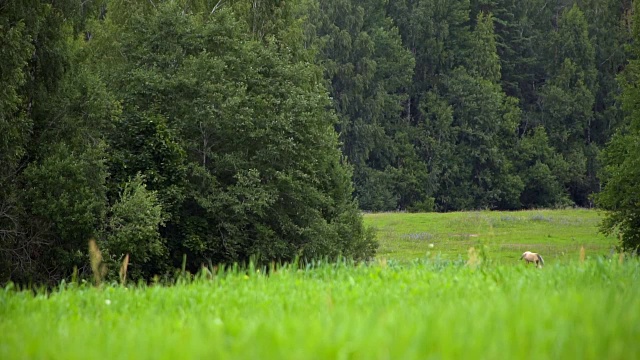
13,64
621,158
66,192
14,127
53,172
232,131
133,228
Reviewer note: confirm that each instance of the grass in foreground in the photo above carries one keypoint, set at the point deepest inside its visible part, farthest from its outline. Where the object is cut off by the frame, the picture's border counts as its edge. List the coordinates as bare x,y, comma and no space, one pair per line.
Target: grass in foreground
557,234
425,309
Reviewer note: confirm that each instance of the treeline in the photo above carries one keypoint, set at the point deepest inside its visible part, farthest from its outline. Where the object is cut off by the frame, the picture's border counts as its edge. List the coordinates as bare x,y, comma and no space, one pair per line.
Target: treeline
225,130
163,129
473,104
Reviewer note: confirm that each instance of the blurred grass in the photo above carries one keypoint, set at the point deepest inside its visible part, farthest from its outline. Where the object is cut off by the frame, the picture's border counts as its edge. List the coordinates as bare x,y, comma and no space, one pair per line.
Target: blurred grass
419,310
557,234
418,300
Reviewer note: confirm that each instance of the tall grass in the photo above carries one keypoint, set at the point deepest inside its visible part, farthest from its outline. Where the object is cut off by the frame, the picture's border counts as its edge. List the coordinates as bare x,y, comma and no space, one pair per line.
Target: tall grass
387,310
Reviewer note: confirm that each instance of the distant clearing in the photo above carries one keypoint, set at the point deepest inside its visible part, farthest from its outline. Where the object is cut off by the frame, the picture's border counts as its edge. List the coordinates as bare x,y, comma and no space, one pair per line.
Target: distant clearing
557,234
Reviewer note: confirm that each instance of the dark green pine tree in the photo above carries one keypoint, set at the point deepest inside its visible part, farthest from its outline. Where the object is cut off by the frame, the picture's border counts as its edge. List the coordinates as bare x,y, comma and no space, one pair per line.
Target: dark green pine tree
476,171
436,33
521,28
567,101
606,23
369,73
538,165
527,40
608,34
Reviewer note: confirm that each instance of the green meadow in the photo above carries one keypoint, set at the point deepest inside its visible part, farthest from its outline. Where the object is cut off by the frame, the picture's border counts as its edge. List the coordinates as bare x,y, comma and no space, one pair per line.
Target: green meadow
556,234
440,302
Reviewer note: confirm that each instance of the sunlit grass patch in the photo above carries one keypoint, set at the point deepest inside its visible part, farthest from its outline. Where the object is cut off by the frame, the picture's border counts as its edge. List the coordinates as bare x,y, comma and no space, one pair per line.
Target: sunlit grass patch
427,308
557,234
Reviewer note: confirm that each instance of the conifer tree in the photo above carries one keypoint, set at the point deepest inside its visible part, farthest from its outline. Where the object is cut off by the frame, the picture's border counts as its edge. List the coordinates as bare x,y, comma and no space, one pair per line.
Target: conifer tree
369,75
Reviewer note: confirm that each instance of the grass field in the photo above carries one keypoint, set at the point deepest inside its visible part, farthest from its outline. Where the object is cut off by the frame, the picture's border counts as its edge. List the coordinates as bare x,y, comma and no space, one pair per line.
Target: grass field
468,307
557,234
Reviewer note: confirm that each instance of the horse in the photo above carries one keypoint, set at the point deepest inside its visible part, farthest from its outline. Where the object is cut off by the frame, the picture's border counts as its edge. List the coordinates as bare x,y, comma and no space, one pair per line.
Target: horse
531,257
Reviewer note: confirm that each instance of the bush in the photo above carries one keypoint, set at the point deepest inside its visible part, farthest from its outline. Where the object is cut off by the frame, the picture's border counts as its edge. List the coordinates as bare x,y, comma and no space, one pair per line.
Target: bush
133,228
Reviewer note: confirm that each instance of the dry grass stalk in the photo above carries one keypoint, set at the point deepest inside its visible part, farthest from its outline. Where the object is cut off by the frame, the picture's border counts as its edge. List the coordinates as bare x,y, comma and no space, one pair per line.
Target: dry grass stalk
582,254
123,270
97,266
330,300
620,258
474,258
204,270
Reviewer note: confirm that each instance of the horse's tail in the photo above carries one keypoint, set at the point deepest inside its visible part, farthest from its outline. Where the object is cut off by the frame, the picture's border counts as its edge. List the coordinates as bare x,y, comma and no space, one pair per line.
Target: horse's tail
541,259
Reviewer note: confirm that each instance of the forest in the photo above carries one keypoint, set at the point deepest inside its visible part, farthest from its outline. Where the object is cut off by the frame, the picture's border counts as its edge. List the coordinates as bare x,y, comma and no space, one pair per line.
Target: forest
198,132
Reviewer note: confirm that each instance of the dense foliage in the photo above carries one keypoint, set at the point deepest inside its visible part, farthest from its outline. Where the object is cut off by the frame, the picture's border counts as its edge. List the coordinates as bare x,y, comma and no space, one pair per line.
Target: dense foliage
509,103
226,130
164,129
621,158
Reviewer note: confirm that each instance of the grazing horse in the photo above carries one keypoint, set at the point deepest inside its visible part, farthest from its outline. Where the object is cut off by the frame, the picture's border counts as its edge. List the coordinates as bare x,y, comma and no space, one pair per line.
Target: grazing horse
530,257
